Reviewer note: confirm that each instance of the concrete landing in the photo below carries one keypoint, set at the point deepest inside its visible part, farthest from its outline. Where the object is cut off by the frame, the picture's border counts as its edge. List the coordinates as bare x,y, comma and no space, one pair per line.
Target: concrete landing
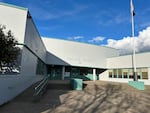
59,84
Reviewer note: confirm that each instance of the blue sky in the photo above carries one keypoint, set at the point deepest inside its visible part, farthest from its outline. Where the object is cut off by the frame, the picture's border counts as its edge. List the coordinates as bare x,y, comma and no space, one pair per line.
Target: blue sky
100,22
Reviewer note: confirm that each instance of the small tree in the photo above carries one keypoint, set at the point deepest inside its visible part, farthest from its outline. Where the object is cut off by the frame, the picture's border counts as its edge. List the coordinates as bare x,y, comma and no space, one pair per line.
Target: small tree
8,50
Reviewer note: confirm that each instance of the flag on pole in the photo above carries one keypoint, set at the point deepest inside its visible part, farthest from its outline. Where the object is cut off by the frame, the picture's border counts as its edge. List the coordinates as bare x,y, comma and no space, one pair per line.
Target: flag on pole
132,8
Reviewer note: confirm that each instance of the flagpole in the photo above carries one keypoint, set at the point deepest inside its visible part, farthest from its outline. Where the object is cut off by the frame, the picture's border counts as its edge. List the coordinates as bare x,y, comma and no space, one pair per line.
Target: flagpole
133,38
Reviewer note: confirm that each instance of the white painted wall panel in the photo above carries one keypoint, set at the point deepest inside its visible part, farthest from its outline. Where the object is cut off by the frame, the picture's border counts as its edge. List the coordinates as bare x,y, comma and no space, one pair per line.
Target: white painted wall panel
142,60
77,54
15,20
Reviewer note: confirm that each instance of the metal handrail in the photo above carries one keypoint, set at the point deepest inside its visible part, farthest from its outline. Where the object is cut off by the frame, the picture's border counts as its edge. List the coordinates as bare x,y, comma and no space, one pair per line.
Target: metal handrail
40,87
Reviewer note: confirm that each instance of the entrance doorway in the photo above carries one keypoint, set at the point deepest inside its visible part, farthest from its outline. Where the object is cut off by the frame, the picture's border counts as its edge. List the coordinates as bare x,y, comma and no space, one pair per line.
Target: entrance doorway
55,72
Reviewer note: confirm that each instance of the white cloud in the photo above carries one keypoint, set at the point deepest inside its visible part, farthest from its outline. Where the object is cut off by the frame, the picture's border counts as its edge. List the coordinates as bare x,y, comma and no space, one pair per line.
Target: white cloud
97,39
75,37
143,41
125,45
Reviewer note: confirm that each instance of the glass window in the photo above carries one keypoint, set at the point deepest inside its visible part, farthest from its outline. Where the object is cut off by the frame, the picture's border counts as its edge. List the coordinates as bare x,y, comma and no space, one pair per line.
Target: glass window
67,69
130,73
115,73
75,72
138,73
144,73
110,73
85,71
41,68
125,73
90,71
119,73
99,71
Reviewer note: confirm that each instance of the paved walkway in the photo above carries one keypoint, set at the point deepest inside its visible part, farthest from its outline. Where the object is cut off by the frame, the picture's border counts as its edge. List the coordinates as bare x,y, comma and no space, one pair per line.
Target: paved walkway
97,97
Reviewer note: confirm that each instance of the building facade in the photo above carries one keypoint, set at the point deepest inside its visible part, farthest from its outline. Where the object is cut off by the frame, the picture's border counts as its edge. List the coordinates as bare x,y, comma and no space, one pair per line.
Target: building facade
62,59
73,59
33,51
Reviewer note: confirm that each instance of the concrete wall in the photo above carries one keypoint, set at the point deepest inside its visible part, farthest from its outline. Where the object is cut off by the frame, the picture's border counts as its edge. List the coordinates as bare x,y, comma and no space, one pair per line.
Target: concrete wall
23,28
34,42
28,63
15,20
142,60
105,77
33,39
12,85
77,54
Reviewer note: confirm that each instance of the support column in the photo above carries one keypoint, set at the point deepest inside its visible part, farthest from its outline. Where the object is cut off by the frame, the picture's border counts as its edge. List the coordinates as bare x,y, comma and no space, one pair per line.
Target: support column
112,73
148,73
94,74
117,73
128,73
141,73
63,72
122,73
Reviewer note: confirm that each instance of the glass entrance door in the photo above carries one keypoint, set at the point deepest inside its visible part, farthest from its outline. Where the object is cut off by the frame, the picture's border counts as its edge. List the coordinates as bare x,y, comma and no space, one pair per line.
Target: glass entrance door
55,72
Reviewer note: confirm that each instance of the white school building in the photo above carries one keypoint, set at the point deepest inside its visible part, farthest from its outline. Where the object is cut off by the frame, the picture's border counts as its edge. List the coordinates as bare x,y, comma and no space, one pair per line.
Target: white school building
62,59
